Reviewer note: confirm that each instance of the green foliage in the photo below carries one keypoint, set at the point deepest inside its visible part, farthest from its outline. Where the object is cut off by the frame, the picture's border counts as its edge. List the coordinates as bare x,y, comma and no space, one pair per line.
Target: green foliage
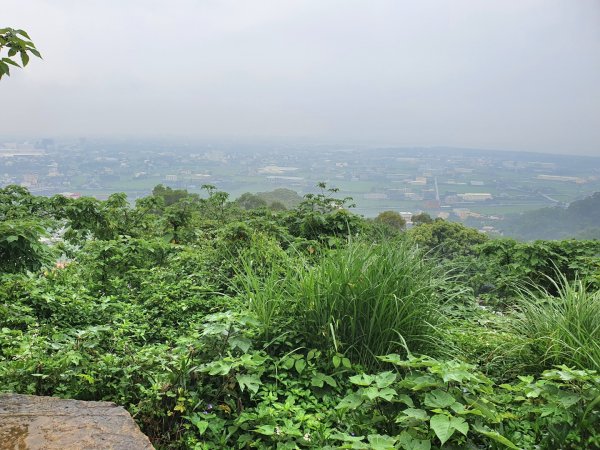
264,287
219,327
421,218
562,328
20,246
486,338
366,300
168,195
428,403
391,219
580,219
16,42
89,218
446,240
505,264
557,410
323,217
251,201
286,197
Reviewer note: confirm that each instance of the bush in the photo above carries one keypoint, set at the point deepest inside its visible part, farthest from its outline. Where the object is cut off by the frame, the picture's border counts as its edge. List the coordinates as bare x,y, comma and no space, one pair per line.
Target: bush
504,264
368,300
426,402
565,328
20,246
446,240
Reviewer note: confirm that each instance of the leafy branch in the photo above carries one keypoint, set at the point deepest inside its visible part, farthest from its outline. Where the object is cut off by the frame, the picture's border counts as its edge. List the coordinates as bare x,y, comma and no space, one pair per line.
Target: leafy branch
16,42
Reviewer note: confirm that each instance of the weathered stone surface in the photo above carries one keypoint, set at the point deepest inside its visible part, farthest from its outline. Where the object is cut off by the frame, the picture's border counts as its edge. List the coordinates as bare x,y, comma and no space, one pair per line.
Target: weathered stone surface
28,422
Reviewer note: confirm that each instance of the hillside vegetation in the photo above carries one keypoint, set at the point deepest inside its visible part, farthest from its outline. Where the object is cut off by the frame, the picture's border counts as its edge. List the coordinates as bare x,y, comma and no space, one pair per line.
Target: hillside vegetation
221,325
580,220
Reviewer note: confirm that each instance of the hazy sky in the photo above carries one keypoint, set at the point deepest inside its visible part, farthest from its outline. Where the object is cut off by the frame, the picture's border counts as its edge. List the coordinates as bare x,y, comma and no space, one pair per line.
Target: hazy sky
500,74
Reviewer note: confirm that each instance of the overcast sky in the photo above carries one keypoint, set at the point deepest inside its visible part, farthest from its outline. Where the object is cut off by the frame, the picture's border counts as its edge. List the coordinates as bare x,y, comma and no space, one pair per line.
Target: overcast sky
498,74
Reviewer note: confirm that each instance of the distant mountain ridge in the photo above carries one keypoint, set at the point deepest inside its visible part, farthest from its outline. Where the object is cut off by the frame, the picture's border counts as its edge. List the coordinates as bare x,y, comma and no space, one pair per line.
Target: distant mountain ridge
580,220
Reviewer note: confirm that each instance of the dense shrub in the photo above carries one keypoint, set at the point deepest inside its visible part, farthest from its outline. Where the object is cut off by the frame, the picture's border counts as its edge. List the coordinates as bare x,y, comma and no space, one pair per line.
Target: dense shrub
562,328
506,265
446,240
366,300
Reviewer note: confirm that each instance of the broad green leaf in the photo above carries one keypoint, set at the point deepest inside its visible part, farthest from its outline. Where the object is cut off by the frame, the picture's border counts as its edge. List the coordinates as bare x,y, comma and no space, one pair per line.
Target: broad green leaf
484,408
440,424
419,414
421,382
23,33
200,424
252,382
381,442
24,58
351,401
267,430
362,379
300,365
217,368
10,61
403,398
387,394
336,361
317,380
346,437
459,424
567,399
409,442
457,407
287,363
439,399
384,379
392,358
320,379
240,342
456,375
370,392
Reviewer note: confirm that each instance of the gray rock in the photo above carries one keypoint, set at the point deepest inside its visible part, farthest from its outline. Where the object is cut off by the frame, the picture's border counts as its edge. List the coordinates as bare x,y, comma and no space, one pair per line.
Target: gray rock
28,422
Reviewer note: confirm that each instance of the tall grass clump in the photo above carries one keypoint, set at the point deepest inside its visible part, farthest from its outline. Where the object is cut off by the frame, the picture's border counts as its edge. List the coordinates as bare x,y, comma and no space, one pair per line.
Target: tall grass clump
266,295
366,300
562,328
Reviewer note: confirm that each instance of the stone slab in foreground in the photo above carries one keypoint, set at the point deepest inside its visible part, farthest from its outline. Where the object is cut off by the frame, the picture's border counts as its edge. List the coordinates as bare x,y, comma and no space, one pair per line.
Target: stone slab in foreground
28,422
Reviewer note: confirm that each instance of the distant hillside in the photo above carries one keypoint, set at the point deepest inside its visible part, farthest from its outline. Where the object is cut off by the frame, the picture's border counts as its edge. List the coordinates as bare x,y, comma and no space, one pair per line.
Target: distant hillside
580,220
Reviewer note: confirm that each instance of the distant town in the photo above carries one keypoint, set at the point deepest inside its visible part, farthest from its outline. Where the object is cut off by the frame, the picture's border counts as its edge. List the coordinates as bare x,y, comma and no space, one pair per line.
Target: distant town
479,188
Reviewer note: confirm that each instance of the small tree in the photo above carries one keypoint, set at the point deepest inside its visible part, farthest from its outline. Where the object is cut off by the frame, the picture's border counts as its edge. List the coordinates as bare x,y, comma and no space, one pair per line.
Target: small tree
446,239
321,216
251,201
391,219
170,196
421,218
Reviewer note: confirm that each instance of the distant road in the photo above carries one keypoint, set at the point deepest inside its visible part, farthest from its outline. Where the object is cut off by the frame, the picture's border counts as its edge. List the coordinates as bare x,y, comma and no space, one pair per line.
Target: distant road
547,197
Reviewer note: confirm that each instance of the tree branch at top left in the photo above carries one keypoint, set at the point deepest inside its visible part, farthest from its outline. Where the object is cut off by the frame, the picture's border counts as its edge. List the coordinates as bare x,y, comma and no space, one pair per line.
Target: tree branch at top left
17,42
